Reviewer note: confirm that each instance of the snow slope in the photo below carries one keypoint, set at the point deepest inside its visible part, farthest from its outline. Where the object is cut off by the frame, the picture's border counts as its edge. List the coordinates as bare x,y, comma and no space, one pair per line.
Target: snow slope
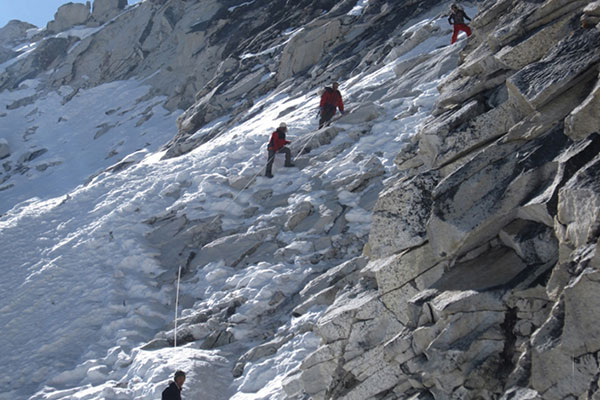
82,290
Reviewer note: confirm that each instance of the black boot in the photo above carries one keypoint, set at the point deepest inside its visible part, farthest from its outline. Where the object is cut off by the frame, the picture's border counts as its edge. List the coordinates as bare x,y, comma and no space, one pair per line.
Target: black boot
288,157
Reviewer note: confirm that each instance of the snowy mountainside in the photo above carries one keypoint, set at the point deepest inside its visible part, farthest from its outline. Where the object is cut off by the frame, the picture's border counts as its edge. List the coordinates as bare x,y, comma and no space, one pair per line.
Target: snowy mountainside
57,145
94,228
438,241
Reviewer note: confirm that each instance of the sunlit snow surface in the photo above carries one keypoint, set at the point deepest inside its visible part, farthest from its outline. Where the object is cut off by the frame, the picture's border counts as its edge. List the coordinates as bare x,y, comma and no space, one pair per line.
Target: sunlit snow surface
81,288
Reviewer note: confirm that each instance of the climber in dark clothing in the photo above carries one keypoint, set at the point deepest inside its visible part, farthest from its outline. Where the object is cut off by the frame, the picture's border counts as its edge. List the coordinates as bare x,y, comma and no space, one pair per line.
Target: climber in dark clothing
457,18
330,100
277,145
173,392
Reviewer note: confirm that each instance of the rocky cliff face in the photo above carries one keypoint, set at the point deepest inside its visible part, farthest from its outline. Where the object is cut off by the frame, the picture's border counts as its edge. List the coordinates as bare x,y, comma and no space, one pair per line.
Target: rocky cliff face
438,241
482,280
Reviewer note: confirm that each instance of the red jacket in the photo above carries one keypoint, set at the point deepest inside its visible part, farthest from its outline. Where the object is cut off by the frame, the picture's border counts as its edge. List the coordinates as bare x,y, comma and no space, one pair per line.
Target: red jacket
332,98
277,140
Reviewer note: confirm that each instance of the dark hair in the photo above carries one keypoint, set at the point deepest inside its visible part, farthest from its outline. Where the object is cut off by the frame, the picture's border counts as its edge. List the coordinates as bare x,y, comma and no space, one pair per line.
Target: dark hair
179,374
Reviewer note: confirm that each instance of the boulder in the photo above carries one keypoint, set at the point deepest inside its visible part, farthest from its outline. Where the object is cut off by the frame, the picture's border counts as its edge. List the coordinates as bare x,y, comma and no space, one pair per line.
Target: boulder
466,348
4,149
492,13
550,114
408,160
532,308
551,10
400,215
400,348
493,269
579,205
69,15
543,208
105,10
326,219
566,344
593,9
581,332
363,113
337,276
318,369
533,242
258,352
459,89
174,235
572,60
385,378
396,271
447,139
368,334
526,18
320,138
323,289
585,119
337,322
453,302
533,47
234,248
299,213
521,394
368,168
306,47
472,204
411,39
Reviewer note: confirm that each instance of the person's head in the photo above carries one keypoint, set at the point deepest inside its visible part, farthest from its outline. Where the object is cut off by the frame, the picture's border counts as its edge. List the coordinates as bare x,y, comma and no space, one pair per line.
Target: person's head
454,7
282,127
179,378
335,85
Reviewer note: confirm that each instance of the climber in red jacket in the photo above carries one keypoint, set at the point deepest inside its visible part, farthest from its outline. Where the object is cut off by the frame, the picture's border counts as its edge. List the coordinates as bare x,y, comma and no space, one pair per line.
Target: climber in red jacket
277,145
457,18
330,100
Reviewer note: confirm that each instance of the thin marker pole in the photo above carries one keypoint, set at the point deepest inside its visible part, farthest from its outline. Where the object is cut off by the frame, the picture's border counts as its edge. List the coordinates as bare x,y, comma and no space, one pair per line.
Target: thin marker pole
176,306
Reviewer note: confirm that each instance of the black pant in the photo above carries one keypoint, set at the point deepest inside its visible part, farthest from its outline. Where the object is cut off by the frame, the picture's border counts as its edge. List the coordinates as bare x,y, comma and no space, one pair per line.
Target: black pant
288,158
327,113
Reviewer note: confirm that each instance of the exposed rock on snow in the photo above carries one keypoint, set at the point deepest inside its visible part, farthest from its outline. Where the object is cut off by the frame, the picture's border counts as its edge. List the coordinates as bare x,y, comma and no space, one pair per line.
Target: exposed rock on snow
233,249
4,149
48,53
